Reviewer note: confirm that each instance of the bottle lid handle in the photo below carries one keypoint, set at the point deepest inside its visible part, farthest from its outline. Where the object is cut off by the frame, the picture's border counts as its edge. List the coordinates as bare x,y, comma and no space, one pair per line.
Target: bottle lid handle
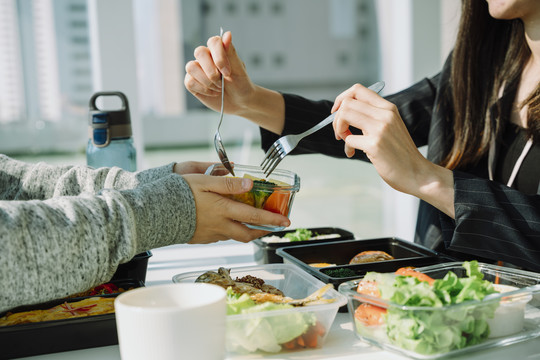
123,98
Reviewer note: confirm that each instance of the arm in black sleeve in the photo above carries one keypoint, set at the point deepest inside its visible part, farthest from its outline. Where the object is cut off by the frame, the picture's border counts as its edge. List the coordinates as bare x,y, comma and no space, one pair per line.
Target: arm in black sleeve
415,105
300,115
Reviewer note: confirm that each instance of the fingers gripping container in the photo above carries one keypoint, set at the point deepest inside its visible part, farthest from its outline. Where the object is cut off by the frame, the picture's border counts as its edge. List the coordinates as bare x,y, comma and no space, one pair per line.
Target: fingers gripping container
110,141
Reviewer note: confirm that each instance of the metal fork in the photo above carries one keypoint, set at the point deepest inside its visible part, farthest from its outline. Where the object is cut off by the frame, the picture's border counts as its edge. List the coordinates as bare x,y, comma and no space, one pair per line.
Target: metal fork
218,144
285,144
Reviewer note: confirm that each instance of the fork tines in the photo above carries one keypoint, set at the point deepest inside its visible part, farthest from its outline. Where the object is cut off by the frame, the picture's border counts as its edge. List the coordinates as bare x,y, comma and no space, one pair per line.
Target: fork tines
272,158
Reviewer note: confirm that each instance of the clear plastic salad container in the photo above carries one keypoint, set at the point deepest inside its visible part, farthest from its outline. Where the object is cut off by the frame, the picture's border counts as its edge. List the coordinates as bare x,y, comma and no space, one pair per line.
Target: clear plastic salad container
272,331
428,331
275,193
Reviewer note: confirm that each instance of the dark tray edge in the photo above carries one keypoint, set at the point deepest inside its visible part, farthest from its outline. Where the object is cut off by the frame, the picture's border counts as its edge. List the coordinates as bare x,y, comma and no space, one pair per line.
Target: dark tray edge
47,337
344,235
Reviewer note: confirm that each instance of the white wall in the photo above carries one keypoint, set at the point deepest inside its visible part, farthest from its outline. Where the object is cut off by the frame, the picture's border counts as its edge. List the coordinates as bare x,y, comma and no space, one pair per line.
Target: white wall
112,43
416,37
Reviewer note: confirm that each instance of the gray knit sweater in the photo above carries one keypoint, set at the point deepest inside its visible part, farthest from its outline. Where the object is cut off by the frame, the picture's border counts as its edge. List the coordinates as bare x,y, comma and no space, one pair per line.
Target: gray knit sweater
65,229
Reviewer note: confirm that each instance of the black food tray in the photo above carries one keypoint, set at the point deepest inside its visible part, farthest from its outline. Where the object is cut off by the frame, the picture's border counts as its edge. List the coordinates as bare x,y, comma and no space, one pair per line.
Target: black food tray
328,274
265,252
405,253
134,269
61,335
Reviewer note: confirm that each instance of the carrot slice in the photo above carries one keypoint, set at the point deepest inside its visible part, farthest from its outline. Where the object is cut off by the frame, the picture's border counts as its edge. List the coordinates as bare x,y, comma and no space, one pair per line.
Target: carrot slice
319,329
497,278
409,271
290,344
310,338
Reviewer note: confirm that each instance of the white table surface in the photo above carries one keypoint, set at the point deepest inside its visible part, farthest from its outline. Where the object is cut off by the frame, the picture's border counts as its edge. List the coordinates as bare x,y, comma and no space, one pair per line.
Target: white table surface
340,343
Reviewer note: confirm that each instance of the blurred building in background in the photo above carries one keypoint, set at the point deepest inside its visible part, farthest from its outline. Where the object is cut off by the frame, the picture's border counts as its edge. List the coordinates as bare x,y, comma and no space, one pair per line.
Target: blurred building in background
45,74
315,48
54,54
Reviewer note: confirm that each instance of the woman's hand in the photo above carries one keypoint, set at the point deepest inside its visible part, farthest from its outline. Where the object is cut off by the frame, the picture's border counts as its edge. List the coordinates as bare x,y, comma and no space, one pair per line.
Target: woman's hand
191,167
264,107
221,218
203,75
386,142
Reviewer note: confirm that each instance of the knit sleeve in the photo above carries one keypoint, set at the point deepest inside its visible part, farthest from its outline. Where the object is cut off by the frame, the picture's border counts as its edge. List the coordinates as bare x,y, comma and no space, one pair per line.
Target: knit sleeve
65,244
25,181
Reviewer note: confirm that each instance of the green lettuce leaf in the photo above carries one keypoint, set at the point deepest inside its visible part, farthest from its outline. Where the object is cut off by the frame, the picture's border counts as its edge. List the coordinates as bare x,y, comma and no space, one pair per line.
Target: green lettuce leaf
262,333
299,235
439,330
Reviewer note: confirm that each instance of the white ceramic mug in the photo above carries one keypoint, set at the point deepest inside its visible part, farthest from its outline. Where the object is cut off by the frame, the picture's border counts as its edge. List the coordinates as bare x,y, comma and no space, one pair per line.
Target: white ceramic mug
173,321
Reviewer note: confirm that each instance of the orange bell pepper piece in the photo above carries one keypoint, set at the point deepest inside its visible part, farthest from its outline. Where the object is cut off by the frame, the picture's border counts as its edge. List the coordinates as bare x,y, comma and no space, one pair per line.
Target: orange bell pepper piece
278,202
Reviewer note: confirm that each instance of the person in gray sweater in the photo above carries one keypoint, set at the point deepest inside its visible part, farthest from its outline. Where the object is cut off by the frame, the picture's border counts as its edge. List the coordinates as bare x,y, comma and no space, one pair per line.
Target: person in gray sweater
65,229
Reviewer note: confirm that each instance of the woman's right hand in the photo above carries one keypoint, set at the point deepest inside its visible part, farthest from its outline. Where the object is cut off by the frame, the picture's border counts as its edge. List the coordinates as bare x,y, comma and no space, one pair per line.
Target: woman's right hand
203,75
386,142
221,218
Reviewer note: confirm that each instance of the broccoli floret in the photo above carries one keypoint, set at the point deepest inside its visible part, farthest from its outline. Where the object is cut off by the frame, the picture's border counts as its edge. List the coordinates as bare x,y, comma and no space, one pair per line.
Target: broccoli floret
260,196
299,235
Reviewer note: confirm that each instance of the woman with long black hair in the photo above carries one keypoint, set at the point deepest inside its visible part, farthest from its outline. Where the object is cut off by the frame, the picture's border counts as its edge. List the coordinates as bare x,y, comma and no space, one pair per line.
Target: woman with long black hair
480,117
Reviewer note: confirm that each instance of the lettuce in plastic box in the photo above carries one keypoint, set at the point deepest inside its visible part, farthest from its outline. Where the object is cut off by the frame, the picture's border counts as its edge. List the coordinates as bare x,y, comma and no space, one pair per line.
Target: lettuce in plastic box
439,330
262,333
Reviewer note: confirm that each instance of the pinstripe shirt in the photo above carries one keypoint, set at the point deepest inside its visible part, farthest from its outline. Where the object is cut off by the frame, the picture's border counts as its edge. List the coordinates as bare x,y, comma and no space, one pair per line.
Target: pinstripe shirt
492,221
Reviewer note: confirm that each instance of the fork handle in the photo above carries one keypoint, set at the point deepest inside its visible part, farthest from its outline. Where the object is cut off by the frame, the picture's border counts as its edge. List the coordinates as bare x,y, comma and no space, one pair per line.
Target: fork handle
319,126
377,87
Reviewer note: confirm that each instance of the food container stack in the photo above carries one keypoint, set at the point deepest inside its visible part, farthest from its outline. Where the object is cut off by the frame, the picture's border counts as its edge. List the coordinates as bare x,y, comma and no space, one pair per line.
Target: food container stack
344,260
445,309
265,328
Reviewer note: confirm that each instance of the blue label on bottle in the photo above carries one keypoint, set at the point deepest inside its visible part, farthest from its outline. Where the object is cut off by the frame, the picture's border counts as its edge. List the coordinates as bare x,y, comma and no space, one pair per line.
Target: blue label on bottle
100,136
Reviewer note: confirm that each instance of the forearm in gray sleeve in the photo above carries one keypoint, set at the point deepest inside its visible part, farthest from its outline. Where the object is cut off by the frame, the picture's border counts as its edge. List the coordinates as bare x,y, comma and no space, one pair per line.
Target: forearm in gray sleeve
40,181
68,244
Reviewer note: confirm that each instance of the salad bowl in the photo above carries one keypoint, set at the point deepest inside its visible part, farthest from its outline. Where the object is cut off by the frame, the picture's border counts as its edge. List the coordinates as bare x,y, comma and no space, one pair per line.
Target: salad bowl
266,328
410,319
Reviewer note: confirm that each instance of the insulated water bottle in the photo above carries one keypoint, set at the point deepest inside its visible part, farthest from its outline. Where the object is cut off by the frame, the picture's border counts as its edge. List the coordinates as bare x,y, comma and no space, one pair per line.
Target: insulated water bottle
110,140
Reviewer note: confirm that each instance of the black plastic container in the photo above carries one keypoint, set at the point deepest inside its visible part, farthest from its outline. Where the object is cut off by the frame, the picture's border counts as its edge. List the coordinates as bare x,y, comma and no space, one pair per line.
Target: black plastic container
265,252
340,253
405,253
328,275
60,335
135,269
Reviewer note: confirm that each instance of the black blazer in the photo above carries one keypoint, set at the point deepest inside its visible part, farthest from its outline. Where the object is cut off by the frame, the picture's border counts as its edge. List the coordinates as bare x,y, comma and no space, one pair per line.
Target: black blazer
492,221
